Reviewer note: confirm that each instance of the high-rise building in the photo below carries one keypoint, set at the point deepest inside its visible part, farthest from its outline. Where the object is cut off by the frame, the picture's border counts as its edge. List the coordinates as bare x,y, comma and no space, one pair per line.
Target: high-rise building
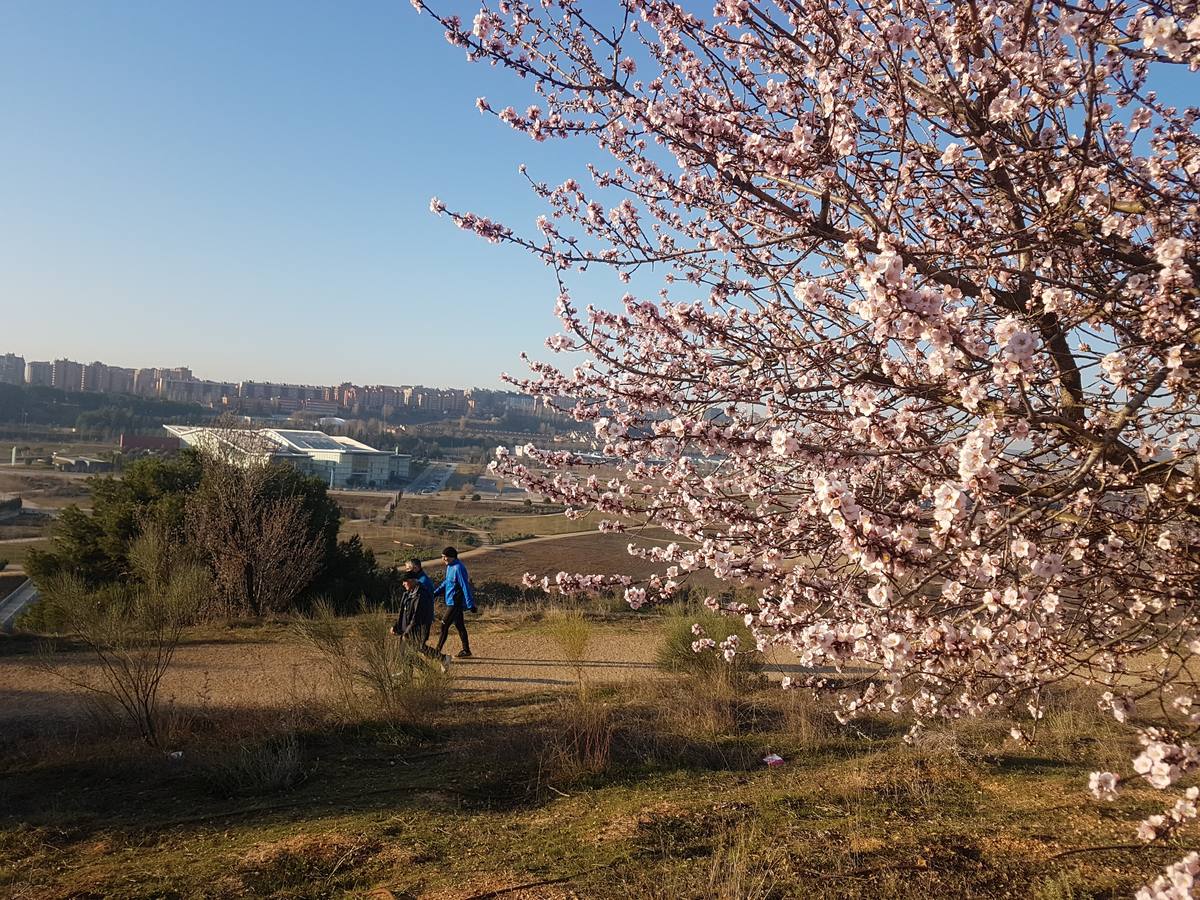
12,369
66,375
120,380
145,382
95,378
194,390
39,373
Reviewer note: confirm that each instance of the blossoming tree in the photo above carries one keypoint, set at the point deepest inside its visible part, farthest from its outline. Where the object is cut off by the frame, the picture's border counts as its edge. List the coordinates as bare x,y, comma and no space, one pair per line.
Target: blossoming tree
922,365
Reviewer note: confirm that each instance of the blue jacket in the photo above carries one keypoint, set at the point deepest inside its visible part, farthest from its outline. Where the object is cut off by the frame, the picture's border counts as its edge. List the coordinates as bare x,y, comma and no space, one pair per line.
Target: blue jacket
456,584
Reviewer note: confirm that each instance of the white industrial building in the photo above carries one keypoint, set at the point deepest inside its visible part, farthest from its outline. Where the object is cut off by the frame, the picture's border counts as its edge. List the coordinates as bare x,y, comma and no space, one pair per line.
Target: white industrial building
340,462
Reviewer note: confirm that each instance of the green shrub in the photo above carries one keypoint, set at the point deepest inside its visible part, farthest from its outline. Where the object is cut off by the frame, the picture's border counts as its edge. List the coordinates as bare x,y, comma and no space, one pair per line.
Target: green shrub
675,654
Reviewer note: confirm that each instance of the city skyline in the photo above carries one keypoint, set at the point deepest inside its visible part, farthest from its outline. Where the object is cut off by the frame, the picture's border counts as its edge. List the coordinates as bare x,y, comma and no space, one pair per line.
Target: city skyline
86,360
179,384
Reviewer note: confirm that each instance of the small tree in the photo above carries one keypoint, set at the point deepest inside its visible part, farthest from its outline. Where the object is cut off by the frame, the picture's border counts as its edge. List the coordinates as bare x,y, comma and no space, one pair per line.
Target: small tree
132,627
260,543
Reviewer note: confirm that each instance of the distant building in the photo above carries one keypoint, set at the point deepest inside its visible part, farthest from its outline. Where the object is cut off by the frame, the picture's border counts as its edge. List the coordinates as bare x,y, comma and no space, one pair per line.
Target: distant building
120,380
148,442
194,390
95,378
12,369
321,407
66,375
145,382
339,462
39,373
81,464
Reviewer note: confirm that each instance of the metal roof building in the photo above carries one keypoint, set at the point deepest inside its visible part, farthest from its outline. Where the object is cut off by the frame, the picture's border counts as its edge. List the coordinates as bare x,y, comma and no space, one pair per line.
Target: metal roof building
340,462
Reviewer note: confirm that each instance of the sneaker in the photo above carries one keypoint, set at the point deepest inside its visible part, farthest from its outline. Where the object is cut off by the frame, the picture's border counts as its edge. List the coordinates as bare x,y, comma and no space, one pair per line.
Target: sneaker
464,654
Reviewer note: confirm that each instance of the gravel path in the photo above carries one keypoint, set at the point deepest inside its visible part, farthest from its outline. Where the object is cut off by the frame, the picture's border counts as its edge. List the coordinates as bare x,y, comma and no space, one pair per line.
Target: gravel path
274,673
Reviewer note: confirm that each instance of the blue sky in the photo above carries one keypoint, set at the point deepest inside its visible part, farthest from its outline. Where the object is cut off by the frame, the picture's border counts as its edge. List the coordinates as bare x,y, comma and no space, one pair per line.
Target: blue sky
244,188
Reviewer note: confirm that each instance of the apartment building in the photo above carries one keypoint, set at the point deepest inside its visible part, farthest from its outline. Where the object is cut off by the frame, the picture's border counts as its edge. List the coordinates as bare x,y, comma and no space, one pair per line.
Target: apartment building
66,375
12,369
39,373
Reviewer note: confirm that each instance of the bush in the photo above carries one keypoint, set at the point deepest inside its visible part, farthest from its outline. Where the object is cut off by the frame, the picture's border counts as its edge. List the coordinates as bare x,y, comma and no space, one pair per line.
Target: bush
571,632
676,656
377,675
258,765
133,628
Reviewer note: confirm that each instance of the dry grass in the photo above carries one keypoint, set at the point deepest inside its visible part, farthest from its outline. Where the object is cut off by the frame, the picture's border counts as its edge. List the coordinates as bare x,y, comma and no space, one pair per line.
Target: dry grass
375,673
571,632
597,553
505,527
250,764
581,744
654,788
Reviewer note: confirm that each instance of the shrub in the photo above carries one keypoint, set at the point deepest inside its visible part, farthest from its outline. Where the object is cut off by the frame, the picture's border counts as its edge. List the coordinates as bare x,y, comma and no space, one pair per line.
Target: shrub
252,765
133,628
571,632
376,674
675,654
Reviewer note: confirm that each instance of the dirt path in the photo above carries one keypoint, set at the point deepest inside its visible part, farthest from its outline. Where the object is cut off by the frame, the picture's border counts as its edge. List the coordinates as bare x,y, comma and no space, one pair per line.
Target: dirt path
238,672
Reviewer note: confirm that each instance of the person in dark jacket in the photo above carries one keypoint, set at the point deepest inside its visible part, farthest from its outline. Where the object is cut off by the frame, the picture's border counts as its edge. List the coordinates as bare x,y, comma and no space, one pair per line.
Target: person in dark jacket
416,616
456,590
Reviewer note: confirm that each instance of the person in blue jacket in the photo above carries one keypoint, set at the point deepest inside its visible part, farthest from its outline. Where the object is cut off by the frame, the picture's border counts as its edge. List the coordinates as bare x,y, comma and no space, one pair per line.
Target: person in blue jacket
414,566
456,589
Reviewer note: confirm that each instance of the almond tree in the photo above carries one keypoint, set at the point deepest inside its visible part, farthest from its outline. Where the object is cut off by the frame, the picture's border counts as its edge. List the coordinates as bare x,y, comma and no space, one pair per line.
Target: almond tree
922,361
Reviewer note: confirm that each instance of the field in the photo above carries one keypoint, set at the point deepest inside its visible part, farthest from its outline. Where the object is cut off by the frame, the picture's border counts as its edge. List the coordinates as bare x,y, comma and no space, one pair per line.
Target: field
42,488
525,785
603,554
579,754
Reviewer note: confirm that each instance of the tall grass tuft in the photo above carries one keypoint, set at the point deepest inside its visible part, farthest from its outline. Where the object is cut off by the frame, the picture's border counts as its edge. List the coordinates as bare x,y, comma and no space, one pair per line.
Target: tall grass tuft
581,745
258,764
571,632
376,674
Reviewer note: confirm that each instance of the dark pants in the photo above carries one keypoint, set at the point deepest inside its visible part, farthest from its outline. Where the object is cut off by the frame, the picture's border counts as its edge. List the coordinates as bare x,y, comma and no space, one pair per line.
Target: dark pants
454,616
420,638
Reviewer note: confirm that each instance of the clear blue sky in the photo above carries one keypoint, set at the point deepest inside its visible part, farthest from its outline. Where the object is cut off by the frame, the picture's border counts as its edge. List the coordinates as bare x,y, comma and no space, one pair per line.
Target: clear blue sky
244,188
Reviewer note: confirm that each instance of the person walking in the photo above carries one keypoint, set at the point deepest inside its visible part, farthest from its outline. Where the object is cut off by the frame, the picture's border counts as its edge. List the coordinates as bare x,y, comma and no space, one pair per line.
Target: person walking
416,616
414,566
456,591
